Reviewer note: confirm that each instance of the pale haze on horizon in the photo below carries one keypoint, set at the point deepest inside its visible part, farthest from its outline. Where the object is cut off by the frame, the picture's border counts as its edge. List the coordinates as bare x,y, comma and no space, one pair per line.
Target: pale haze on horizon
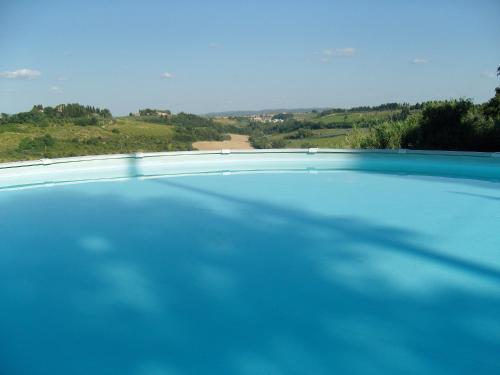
208,56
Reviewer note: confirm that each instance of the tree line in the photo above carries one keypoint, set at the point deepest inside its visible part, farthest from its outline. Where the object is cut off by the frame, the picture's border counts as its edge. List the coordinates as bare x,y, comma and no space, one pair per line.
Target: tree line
74,112
381,107
458,125
152,112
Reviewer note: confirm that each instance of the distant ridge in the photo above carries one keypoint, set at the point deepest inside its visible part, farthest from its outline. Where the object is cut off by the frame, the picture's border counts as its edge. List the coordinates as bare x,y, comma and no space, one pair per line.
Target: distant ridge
264,111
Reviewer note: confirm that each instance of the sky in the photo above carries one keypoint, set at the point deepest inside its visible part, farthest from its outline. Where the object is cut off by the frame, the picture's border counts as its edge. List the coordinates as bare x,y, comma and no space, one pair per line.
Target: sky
209,56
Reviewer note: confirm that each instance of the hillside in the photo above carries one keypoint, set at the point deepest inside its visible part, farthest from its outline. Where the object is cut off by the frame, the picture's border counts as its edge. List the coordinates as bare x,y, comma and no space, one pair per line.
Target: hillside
74,130
327,129
44,133
28,141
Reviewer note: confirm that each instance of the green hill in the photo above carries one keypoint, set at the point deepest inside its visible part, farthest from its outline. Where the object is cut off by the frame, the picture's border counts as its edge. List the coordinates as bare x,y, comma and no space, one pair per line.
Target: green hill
74,130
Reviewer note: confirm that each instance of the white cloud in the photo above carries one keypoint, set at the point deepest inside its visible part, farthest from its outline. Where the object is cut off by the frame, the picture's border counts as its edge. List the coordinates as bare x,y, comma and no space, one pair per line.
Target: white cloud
56,89
419,60
346,52
167,75
21,74
62,79
337,52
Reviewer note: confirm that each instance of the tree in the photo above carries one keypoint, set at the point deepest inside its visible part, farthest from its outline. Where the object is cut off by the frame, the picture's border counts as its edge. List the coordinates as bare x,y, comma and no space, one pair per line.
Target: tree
492,108
36,144
282,116
444,126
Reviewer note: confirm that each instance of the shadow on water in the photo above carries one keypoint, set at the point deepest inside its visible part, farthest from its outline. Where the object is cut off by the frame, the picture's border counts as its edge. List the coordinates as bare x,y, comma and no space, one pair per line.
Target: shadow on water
133,167
483,196
351,228
100,284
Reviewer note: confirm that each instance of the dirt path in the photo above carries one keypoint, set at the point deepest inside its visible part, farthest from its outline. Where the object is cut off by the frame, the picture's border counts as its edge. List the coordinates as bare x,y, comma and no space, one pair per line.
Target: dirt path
237,142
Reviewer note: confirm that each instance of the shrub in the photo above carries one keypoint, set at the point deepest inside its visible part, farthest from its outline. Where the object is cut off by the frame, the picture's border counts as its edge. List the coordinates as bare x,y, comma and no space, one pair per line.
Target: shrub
442,126
259,140
386,135
86,121
278,143
308,145
301,134
447,125
37,143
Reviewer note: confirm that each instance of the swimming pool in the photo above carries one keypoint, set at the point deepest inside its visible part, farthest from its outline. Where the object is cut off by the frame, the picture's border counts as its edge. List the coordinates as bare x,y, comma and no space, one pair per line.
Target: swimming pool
274,262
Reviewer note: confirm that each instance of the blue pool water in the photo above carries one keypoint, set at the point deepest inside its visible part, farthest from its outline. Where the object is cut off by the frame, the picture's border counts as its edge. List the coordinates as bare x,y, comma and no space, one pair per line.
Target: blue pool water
299,271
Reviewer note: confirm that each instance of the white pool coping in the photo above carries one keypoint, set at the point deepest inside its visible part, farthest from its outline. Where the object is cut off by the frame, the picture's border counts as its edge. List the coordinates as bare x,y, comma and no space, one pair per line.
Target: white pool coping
479,165
139,155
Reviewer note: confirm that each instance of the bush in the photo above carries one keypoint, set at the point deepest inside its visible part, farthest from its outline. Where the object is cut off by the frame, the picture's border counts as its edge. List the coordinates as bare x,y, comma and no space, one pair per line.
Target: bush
304,133
86,121
37,143
491,109
385,135
190,120
443,127
259,140
447,125
278,143
308,145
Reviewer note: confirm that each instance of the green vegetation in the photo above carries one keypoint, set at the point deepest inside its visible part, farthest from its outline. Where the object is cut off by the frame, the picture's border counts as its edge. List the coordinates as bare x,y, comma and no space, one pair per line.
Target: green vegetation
283,116
327,129
438,125
29,141
447,125
329,138
379,108
302,138
37,143
76,113
154,112
73,130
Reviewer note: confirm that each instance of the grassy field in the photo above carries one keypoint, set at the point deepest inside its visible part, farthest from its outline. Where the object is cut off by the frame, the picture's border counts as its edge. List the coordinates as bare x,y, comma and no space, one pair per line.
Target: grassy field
305,116
354,117
122,135
324,138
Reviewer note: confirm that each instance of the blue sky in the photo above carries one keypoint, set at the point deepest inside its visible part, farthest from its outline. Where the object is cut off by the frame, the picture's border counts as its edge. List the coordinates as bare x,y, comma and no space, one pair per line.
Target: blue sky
203,56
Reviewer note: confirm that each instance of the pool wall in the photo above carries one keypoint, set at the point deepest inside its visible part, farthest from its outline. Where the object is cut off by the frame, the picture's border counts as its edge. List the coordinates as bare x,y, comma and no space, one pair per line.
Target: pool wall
475,165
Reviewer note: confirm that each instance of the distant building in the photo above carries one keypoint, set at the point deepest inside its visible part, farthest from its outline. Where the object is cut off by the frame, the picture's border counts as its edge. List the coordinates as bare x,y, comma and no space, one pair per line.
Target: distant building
268,117
154,112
